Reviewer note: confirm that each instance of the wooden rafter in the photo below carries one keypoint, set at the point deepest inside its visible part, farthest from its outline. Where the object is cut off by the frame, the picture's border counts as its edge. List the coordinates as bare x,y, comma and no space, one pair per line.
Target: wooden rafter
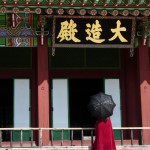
90,3
39,1
15,1
84,2
95,2
117,2
27,1
106,2
148,3
128,2
140,2
61,2
72,2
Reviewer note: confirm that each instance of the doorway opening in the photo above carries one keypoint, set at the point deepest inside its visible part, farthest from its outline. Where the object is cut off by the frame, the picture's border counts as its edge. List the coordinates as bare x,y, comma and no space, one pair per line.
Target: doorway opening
80,91
71,97
14,98
6,105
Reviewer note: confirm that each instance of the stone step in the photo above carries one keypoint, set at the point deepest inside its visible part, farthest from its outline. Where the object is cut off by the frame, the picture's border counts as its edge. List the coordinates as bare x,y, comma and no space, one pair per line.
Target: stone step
78,148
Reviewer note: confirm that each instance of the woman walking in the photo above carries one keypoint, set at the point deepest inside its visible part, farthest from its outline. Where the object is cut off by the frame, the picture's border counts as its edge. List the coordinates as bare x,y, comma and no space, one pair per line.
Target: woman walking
104,136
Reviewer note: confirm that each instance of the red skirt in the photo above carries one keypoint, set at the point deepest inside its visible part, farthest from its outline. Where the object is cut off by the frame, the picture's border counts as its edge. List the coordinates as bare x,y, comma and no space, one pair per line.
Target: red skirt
104,136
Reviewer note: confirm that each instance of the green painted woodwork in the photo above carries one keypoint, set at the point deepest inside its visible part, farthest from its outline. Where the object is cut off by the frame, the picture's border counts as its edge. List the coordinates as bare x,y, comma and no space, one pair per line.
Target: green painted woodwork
26,135
117,134
2,19
2,41
76,58
25,42
35,42
24,33
136,42
11,58
49,42
88,2
57,135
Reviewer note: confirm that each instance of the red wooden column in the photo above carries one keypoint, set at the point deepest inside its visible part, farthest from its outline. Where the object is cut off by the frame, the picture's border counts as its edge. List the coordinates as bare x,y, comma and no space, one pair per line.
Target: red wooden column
43,89
130,97
144,78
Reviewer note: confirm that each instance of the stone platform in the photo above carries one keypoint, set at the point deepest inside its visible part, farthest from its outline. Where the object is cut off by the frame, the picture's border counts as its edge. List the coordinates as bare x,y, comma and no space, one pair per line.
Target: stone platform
79,148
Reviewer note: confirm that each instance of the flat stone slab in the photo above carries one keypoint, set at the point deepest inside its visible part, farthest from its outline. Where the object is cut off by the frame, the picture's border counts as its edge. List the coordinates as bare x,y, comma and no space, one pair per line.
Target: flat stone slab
79,148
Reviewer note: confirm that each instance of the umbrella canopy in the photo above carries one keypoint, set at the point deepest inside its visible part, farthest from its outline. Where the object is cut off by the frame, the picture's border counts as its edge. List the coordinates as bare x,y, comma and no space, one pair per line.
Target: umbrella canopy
101,105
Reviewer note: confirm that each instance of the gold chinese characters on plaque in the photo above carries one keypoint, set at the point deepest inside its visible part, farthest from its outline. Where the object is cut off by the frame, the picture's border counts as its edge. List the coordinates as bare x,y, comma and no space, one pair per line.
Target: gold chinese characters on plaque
93,32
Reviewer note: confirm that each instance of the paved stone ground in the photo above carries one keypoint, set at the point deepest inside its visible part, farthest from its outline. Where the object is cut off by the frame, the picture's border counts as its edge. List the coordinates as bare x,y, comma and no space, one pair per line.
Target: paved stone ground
79,148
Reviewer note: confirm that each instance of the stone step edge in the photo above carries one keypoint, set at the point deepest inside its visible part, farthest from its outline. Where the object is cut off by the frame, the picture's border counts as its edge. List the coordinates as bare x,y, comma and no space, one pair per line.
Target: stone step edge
144,147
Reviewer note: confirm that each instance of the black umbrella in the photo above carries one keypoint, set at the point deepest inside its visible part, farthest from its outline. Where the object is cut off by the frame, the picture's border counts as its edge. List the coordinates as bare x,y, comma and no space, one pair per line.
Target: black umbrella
101,105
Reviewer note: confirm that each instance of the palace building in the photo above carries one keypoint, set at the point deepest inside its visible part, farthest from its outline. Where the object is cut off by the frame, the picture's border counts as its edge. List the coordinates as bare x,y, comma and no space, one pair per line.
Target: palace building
55,54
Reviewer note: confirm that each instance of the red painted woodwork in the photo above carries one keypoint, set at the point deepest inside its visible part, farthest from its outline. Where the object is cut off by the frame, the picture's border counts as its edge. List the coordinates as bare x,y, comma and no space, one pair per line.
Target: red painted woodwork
144,86
131,114
80,74
135,86
132,101
43,90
